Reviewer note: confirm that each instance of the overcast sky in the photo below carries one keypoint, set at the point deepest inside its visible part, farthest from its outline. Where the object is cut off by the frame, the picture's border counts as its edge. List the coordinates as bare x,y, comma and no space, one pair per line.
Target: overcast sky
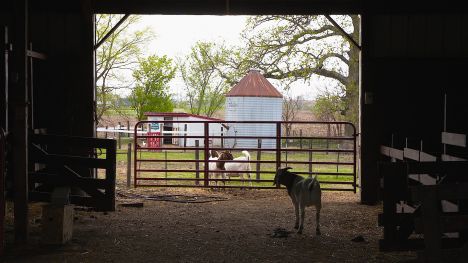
175,35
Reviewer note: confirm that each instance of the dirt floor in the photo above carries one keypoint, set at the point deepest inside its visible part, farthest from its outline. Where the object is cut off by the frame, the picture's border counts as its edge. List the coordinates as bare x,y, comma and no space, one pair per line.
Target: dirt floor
226,226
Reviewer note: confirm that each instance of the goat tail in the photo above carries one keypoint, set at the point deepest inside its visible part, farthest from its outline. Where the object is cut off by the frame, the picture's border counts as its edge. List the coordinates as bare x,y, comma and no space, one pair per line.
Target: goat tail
246,154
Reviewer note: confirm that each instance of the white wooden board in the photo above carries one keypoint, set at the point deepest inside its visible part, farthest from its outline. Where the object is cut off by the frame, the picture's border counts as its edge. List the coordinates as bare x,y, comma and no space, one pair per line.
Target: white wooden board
450,158
424,179
454,139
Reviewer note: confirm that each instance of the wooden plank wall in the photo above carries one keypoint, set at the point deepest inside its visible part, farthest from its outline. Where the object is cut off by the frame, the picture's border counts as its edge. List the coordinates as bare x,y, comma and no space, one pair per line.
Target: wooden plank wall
409,63
65,82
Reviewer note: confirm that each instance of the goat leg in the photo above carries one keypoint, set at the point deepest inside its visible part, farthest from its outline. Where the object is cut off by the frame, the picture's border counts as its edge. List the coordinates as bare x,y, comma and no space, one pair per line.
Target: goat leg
296,211
250,179
301,219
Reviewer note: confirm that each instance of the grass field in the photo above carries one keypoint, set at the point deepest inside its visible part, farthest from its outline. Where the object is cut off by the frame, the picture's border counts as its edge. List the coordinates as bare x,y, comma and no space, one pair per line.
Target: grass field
157,161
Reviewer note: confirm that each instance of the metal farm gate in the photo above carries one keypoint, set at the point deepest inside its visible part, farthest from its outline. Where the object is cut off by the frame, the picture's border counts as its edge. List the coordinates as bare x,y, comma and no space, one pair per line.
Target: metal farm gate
326,150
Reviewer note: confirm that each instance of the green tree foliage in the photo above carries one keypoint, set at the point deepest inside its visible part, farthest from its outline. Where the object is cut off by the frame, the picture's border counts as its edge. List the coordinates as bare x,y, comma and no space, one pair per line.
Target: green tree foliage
204,87
151,91
117,54
328,106
293,48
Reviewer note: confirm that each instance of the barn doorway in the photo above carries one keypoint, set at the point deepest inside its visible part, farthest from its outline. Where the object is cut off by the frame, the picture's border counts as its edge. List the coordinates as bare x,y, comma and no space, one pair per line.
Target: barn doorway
327,90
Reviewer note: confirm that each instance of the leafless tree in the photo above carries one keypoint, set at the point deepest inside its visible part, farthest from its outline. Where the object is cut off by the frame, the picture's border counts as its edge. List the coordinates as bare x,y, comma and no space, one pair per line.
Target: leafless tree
291,106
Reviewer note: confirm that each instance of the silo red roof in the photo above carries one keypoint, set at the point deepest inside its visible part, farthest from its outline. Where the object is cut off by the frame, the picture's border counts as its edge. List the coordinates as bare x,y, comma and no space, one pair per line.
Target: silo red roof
254,84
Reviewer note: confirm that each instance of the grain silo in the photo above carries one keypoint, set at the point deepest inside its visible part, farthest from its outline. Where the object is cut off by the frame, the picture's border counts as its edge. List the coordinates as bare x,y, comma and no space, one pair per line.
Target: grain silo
254,98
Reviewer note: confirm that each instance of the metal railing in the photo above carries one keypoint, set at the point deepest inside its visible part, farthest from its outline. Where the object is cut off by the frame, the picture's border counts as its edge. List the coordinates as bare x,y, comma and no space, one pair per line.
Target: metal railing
184,162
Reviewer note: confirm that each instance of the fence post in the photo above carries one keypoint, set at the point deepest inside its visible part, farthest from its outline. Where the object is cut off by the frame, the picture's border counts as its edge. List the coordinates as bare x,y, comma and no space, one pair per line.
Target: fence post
300,140
286,153
338,159
278,147
328,135
310,156
106,132
185,138
120,142
259,157
165,163
129,165
197,164
222,135
206,145
128,128
135,152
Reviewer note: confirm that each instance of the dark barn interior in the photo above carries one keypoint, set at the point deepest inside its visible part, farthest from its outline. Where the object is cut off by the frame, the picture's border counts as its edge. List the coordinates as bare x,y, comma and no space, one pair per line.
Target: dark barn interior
413,60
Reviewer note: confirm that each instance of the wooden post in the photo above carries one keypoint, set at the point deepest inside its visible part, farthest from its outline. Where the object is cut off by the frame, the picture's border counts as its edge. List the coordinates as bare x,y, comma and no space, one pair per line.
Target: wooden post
328,135
20,121
206,152
129,165
431,221
337,159
278,147
310,156
222,135
165,163
259,157
286,152
300,140
119,140
2,190
57,224
111,170
185,138
197,164
128,128
106,132
394,177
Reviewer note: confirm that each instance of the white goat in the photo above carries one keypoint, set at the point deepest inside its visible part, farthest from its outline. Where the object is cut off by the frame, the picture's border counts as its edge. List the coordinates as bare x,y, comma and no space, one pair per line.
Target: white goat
303,192
213,169
239,167
215,166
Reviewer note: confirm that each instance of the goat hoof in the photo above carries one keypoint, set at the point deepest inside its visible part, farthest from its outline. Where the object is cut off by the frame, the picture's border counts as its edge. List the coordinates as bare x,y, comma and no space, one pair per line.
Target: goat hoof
299,232
318,232
296,227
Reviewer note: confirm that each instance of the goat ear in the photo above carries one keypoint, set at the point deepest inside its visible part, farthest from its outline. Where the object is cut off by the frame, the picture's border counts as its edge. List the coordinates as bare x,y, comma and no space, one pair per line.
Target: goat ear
287,168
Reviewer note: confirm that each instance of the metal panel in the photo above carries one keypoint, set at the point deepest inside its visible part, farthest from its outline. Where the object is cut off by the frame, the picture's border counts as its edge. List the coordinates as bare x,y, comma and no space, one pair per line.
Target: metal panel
253,109
182,166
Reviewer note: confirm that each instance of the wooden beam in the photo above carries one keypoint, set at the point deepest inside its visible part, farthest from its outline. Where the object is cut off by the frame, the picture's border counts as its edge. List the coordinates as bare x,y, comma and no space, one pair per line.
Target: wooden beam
450,158
391,152
231,7
343,32
37,55
20,126
424,179
454,139
456,167
101,41
419,156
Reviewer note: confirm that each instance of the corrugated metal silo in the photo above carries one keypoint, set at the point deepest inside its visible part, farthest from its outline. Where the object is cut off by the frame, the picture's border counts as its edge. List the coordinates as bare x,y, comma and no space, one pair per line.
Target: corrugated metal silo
254,98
